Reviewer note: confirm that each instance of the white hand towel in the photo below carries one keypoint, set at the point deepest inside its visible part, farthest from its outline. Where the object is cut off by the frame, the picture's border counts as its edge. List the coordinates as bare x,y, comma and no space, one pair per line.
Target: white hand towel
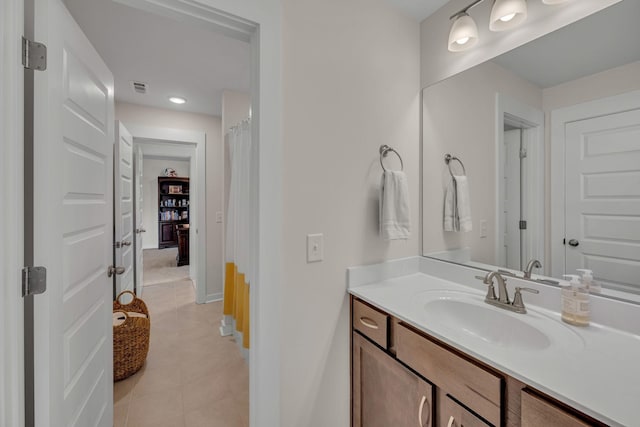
457,205
394,206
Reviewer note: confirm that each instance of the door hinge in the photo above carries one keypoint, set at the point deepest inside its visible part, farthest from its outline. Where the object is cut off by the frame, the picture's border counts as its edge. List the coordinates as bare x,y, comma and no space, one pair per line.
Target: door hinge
34,55
34,280
523,225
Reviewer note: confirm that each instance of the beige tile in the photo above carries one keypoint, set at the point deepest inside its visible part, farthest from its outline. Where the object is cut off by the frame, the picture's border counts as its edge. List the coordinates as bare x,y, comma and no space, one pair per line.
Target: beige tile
204,391
122,390
153,379
223,413
120,415
192,374
158,409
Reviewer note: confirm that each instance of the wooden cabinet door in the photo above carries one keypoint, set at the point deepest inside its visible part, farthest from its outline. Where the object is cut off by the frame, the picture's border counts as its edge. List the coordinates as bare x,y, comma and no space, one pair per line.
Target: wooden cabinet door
385,393
167,235
538,412
453,414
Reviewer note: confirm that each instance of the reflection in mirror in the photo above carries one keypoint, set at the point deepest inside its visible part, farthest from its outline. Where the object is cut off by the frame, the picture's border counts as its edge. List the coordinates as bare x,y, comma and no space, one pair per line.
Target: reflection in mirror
549,135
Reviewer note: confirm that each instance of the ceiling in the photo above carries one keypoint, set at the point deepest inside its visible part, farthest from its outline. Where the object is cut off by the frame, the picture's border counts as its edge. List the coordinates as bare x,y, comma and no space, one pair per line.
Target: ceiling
418,9
596,43
173,58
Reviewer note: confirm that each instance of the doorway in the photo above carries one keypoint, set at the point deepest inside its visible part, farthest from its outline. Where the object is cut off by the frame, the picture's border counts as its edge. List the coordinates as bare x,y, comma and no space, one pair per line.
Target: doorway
519,183
250,22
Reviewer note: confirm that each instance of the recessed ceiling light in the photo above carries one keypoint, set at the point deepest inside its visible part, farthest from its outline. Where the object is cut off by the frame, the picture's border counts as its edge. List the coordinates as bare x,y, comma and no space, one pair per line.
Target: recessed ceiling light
177,100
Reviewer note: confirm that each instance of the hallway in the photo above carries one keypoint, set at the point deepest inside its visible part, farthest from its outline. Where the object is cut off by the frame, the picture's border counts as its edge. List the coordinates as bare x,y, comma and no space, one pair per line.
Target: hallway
193,377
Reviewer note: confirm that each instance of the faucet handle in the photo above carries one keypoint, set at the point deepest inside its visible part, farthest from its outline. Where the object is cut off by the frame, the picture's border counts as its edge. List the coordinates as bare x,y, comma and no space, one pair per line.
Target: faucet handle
517,298
491,290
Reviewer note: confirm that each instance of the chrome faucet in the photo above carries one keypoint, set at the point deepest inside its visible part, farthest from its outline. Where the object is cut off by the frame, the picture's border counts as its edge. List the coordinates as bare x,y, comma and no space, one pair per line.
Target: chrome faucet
503,295
534,263
502,300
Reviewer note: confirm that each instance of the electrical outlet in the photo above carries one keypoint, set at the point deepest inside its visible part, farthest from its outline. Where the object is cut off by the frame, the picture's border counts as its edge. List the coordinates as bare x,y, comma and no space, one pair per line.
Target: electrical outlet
218,216
315,247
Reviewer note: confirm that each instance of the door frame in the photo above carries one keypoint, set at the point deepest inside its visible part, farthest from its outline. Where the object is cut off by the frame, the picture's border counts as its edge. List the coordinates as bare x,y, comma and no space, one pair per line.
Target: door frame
559,118
259,22
532,120
12,214
187,145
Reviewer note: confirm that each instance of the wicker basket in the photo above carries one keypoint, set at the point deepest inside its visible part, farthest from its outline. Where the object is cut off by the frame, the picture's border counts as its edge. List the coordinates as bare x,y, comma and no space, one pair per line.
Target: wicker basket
131,338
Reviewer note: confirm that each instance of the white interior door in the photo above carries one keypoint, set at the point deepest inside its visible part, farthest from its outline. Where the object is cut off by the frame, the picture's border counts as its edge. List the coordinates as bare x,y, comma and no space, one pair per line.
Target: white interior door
73,226
123,197
512,200
138,194
603,198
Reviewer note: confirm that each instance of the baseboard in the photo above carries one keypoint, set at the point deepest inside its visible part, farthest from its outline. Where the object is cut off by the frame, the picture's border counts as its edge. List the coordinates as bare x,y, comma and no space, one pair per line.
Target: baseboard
214,297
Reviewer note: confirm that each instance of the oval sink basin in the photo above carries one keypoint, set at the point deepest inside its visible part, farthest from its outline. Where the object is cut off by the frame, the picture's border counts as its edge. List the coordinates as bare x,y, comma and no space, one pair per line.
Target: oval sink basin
467,316
487,324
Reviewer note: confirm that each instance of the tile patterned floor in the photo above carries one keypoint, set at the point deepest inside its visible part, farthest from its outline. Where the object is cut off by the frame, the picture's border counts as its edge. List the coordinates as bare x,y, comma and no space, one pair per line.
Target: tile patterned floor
160,266
193,377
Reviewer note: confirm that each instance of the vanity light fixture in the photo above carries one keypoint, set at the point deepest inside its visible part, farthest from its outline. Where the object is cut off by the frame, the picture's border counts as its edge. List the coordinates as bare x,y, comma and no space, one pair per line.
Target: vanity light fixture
507,14
463,34
177,100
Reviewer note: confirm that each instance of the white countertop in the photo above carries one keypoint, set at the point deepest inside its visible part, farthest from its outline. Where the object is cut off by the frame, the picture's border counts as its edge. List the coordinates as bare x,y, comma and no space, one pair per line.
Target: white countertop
600,376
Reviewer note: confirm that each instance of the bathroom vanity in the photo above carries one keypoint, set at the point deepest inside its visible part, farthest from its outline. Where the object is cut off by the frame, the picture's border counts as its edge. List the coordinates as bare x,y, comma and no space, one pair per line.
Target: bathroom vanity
429,351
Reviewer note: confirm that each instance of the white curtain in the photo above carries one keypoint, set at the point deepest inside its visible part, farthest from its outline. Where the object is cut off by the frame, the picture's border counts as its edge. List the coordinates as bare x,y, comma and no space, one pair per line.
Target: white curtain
241,232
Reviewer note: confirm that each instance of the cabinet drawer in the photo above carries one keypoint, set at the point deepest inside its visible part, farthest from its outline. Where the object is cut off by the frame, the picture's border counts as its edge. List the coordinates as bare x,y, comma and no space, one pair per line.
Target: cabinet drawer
474,386
539,412
370,322
453,414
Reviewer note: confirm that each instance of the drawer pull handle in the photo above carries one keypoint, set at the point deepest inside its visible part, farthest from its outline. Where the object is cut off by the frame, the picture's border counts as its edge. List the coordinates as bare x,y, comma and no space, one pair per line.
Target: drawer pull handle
451,421
369,323
420,409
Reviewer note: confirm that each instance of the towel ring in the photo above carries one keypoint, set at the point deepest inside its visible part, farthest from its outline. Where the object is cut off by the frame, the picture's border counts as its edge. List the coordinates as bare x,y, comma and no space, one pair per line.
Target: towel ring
384,151
448,158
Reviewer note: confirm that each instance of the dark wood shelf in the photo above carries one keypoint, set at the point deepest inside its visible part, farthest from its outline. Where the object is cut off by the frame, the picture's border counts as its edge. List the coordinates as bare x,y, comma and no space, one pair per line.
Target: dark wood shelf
167,232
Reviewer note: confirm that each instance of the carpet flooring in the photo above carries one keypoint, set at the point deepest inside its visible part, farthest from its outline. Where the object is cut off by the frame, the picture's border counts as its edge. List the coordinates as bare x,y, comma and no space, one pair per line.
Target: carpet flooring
160,266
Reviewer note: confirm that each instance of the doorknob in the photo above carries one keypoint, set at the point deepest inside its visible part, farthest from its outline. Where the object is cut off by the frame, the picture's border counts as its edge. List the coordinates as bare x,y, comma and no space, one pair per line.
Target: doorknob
140,230
121,244
573,242
114,270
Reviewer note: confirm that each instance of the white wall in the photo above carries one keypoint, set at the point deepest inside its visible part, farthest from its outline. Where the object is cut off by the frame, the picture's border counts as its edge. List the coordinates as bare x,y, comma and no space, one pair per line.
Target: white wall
147,116
460,119
438,63
151,169
351,83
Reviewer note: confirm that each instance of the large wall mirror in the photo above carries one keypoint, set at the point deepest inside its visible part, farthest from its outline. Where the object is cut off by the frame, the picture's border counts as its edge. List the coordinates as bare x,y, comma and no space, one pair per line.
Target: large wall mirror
545,141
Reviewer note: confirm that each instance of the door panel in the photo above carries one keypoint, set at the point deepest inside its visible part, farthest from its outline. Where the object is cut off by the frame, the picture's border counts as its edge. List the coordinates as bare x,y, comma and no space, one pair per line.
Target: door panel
73,223
137,219
512,200
603,197
123,199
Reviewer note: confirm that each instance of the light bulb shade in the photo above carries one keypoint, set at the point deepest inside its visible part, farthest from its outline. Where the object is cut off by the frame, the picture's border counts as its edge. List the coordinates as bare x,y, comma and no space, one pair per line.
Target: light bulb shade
507,14
553,1
463,34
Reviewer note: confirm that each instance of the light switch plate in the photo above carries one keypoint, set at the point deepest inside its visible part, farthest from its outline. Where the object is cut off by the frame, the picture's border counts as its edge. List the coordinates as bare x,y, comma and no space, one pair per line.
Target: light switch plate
218,216
315,247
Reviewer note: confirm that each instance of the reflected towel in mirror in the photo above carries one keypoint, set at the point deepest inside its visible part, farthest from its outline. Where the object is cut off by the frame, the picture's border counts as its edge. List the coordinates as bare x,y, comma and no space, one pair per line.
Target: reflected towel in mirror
394,206
457,205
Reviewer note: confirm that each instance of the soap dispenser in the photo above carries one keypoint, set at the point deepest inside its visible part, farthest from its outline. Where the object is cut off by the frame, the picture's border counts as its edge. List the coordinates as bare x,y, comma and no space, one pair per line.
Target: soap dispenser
588,282
575,302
